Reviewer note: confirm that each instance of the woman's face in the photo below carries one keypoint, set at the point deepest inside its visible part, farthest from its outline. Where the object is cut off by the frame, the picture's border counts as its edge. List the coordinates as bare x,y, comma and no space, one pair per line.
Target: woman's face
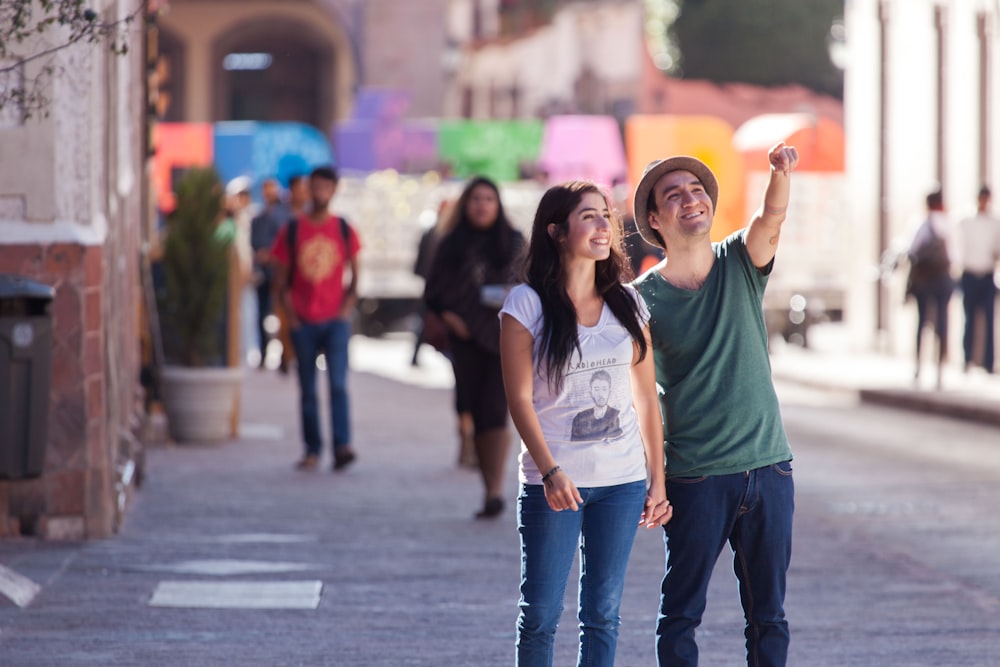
590,231
483,207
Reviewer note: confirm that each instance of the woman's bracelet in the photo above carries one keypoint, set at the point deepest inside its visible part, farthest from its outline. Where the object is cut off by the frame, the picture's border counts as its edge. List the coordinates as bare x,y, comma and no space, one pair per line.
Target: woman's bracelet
546,476
774,211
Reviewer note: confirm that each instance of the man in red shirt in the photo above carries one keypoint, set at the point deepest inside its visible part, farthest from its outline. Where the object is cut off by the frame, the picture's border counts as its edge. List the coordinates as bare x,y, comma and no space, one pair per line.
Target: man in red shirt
310,254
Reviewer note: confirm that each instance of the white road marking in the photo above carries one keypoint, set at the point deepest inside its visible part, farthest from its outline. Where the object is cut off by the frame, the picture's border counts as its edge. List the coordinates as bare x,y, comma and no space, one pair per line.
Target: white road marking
256,431
228,566
17,588
237,594
261,538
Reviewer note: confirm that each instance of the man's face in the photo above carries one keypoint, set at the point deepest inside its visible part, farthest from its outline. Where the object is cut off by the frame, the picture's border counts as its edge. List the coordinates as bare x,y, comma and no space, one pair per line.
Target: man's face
600,391
269,191
322,190
683,206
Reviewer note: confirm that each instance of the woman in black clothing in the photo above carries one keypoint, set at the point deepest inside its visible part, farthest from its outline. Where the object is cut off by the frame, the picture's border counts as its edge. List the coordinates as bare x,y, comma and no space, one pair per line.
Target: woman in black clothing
482,250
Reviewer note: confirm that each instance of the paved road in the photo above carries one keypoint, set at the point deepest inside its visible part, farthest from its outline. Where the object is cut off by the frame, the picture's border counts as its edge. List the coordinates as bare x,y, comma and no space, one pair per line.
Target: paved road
894,563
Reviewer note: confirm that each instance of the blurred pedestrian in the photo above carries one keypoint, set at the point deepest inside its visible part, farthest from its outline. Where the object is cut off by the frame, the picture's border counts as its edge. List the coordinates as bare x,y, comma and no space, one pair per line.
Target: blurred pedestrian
298,205
728,461
474,265
979,249
311,255
238,208
589,439
929,281
299,196
263,230
433,331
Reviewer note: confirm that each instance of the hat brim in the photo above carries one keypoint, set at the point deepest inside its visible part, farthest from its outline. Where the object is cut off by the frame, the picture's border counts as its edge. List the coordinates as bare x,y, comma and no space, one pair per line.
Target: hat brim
654,172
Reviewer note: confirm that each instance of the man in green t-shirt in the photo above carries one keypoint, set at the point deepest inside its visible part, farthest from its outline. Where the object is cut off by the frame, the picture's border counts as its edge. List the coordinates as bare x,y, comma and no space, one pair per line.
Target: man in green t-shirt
728,463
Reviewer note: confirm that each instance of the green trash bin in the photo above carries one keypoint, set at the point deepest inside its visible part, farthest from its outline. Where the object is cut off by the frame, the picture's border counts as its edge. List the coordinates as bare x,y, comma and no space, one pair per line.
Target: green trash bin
25,375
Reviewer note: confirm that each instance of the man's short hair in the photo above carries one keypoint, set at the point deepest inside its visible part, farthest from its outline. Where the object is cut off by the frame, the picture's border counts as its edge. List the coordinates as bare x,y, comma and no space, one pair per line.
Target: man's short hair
600,375
985,191
326,172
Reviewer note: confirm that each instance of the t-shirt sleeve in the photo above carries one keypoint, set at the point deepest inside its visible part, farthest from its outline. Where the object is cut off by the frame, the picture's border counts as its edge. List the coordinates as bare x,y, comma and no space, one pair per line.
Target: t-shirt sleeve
643,309
736,244
522,303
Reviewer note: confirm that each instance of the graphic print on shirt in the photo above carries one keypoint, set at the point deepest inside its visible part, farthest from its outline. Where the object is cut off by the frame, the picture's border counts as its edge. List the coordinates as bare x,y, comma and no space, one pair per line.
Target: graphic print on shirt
598,421
317,257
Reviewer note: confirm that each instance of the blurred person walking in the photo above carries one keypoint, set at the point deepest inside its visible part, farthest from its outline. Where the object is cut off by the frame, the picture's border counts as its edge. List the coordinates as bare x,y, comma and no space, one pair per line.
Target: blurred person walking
239,210
476,261
929,281
979,249
264,229
589,439
728,461
433,331
311,254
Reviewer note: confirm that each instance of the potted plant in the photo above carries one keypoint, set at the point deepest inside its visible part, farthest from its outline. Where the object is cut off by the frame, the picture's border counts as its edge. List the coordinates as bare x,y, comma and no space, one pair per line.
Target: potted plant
200,392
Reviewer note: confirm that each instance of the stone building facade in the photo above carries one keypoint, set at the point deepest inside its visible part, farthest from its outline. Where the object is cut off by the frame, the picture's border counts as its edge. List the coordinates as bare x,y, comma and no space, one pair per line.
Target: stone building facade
71,189
314,55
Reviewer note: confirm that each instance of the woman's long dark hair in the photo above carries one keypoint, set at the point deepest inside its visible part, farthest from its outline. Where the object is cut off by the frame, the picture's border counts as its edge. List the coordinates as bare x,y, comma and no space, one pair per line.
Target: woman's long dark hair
545,274
499,246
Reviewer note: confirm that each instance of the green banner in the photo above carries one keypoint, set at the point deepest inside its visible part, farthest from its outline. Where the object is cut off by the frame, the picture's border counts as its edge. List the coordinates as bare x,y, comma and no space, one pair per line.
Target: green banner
496,149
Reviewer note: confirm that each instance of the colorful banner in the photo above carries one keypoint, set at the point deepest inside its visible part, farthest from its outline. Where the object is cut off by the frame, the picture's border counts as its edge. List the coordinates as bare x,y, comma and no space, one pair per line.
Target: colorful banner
583,147
496,149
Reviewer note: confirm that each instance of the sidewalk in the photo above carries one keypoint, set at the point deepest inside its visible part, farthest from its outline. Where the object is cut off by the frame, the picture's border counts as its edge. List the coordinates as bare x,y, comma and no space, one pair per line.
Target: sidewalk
228,556
888,380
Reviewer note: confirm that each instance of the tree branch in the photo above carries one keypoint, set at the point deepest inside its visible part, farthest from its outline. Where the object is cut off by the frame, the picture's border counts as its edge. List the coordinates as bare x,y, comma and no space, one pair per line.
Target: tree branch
19,24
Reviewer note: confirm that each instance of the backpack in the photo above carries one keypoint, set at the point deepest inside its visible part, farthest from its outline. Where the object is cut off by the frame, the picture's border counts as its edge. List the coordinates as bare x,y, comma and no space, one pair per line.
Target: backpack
928,263
291,236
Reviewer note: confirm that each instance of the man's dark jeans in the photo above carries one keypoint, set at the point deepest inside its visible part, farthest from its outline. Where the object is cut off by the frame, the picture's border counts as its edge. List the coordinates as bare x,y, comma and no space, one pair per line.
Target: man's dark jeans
752,511
979,294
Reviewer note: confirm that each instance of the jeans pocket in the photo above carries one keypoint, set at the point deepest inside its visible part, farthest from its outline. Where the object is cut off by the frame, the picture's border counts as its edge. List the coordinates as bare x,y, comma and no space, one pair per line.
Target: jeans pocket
783,468
686,480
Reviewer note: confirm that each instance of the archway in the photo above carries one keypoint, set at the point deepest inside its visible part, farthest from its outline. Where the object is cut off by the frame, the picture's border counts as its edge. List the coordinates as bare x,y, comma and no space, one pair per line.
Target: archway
274,70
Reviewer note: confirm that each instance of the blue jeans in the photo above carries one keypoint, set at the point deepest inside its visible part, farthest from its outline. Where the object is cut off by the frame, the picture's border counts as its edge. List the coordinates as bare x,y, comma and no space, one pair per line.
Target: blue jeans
979,295
604,529
753,512
309,340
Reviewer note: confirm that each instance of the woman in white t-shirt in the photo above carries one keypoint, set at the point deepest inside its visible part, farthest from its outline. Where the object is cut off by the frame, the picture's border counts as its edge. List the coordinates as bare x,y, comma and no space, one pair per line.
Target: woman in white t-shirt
578,373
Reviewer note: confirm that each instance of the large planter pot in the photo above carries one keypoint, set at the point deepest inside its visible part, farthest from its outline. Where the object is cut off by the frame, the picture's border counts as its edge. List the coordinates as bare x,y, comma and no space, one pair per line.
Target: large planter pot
202,404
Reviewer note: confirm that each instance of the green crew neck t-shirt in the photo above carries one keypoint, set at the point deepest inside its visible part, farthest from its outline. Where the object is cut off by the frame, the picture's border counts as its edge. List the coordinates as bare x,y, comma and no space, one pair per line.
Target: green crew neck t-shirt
720,411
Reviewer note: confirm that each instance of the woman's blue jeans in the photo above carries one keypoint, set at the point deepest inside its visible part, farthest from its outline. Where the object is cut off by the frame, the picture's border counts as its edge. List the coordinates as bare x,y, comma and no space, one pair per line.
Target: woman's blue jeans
753,512
309,340
604,530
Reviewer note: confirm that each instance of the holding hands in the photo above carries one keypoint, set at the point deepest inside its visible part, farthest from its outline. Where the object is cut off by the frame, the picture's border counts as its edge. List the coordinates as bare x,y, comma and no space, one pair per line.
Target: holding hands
658,510
561,494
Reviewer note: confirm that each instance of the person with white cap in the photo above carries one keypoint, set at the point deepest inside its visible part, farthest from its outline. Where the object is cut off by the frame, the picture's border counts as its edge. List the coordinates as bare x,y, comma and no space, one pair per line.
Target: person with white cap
728,461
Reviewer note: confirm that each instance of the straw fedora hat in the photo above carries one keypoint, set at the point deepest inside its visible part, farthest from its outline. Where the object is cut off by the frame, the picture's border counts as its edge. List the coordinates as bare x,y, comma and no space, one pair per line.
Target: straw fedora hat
653,172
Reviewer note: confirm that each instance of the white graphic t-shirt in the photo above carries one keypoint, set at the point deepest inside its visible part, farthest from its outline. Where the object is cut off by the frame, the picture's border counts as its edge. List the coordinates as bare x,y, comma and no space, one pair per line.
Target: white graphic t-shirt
590,425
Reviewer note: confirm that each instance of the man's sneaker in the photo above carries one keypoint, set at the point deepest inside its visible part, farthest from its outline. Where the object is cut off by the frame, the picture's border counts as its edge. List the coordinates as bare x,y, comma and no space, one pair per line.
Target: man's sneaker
343,458
308,462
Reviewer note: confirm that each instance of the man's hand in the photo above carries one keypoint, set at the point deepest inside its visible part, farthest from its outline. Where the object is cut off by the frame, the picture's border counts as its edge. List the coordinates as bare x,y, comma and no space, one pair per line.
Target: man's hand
783,158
